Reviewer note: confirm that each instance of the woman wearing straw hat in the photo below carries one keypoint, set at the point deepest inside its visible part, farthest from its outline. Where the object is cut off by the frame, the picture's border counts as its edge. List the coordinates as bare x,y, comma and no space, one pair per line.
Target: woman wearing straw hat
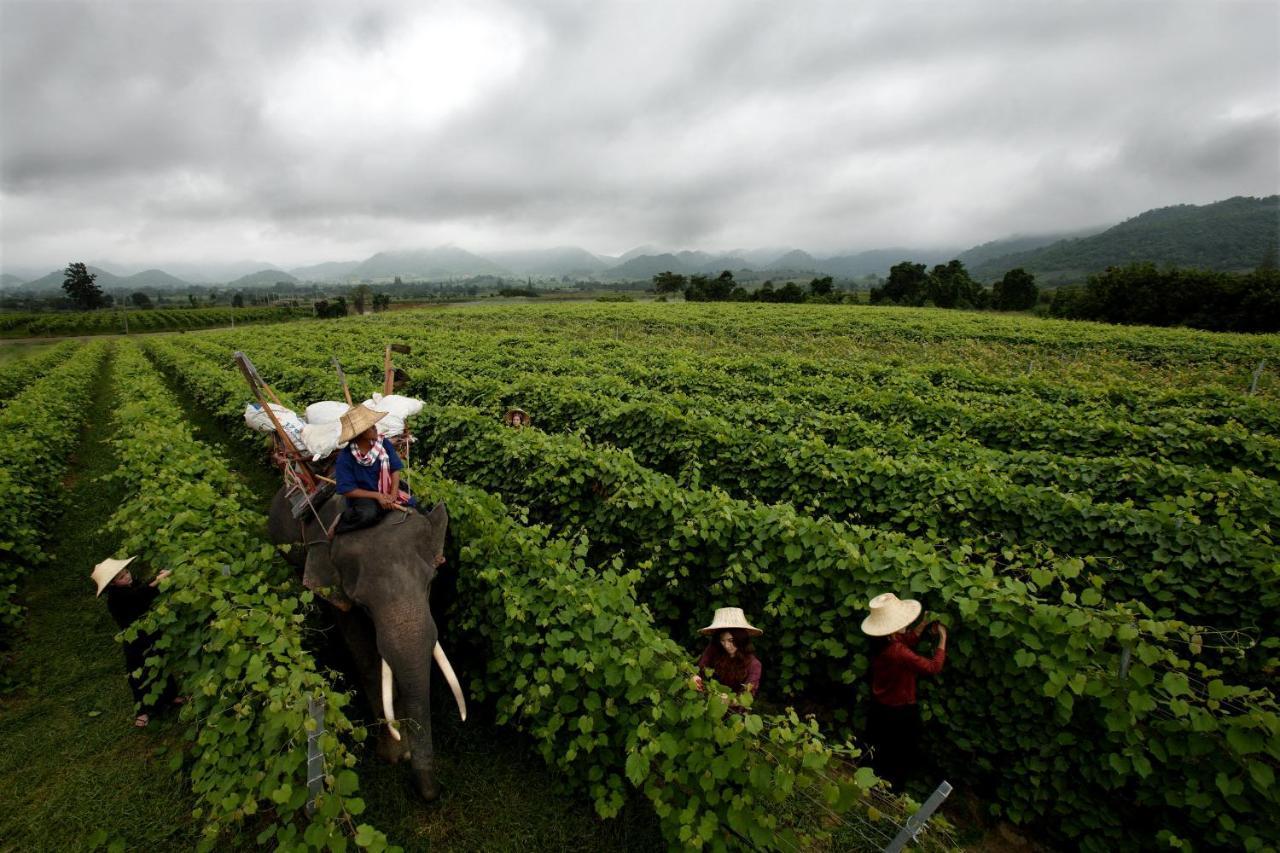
127,601
367,471
893,722
729,657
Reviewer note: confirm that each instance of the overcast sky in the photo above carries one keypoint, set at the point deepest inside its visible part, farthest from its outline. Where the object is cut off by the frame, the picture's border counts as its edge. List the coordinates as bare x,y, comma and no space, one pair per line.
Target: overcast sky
303,132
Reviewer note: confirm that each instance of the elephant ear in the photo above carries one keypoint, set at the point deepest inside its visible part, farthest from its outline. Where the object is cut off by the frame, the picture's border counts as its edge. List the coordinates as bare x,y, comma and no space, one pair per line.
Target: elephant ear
321,576
438,521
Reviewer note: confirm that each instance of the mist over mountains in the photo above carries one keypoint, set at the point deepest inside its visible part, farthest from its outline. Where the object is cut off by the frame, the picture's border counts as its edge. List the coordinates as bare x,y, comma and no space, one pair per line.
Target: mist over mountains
1233,234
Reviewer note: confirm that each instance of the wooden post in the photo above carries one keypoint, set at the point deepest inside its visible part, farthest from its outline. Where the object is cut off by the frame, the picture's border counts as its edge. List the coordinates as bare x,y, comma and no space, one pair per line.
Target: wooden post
257,385
342,377
386,371
1257,374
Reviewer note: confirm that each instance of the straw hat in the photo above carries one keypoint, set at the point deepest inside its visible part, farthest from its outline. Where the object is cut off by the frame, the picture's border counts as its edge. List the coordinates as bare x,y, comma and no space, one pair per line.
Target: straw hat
730,617
357,420
889,614
106,571
510,416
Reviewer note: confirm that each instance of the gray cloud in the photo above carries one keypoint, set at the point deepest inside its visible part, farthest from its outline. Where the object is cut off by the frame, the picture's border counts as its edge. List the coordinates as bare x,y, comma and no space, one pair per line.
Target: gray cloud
303,132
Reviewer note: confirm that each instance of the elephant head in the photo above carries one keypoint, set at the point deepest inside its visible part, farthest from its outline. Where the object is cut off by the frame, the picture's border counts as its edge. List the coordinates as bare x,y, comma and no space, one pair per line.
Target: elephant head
386,572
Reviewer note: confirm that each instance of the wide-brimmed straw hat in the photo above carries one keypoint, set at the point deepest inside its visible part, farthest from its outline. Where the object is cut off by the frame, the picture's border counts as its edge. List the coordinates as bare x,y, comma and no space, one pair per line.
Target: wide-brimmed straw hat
889,614
357,420
106,571
728,618
511,416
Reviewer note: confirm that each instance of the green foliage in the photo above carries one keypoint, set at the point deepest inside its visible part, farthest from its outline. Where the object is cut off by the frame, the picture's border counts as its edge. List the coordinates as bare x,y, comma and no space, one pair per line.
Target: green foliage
1039,641
1234,234
155,320
1017,291
576,660
669,282
1141,293
39,430
230,625
19,373
79,286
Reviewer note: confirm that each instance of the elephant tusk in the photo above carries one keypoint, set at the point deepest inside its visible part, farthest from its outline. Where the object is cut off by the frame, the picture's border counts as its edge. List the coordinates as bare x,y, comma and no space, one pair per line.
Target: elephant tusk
387,709
447,671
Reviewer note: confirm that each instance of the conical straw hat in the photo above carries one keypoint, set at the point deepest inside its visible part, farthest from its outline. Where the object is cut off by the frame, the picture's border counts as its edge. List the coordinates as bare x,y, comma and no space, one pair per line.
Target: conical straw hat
357,420
106,571
889,614
731,617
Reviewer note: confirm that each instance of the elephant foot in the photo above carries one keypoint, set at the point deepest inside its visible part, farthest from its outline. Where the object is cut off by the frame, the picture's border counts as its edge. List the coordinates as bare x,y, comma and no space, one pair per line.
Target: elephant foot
429,790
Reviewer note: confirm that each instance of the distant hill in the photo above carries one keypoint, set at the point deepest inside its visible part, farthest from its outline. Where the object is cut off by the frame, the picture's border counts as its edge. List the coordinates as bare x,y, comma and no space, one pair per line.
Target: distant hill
562,260
878,261
795,260
444,262
979,255
150,278
328,271
647,266
1234,234
10,280
53,281
262,278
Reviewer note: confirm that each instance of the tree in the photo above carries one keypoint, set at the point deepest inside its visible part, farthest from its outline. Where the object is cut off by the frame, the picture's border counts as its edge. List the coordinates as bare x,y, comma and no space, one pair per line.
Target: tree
140,300
237,301
669,282
79,286
360,297
1017,291
381,301
905,286
949,286
821,286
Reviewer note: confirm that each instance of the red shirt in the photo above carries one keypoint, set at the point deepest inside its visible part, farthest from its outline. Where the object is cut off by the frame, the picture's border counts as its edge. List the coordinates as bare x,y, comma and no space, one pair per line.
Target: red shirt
894,671
750,682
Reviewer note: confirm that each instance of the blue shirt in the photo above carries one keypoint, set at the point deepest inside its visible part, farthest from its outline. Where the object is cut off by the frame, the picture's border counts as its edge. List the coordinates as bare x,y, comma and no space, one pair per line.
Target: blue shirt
350,474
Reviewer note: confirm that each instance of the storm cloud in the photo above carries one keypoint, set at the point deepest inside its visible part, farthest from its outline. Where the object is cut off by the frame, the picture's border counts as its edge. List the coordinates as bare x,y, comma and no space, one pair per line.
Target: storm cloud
298,132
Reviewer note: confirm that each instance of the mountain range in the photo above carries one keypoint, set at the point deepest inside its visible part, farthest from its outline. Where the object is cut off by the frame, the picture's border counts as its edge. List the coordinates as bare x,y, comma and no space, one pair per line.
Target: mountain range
1233,234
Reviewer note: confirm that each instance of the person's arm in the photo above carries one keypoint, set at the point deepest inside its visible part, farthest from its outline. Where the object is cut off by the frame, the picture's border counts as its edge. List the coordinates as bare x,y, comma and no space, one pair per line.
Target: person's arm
159,577
904,656
344,475
753,676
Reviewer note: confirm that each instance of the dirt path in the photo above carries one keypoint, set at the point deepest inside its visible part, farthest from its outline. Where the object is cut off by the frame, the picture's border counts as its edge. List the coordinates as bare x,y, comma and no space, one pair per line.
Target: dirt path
74,772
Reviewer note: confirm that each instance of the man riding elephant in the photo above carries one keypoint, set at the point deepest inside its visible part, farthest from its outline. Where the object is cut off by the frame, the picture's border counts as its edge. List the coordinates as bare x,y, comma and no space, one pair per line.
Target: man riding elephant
367,471
378,577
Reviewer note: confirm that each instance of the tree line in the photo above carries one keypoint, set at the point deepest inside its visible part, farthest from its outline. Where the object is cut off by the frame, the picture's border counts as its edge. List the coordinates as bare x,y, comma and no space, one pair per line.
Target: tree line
946,286
1141,293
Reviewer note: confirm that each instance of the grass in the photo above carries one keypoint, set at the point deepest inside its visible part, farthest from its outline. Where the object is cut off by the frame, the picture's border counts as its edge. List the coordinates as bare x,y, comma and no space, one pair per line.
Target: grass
498,794
73,768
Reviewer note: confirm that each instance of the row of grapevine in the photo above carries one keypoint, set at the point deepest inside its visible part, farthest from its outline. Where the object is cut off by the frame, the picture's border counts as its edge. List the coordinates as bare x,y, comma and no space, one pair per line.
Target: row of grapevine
112,321
577,661
1198,556
1021,666
230,621
39,433
469,374
18,374
1104,364
853,411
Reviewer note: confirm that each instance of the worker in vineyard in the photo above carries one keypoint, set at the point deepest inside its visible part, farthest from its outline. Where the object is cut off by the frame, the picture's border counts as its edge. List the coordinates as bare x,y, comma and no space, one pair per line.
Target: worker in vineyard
367,471
730,657
517,418
893,720
127,601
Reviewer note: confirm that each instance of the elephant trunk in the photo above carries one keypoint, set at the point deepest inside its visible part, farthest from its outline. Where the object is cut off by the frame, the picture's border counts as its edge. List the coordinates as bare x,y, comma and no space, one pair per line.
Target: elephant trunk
405,640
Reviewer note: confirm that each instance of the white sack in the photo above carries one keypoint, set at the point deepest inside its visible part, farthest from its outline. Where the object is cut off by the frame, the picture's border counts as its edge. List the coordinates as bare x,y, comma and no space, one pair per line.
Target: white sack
398,409
402,407
326,412
321,439
259,420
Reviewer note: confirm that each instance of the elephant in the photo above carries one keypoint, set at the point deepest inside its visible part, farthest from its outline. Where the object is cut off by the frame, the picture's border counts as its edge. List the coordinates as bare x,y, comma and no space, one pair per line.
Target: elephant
378,581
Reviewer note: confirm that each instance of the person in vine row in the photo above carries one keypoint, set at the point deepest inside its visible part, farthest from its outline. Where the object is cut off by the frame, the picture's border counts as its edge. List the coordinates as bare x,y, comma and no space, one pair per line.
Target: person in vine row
893,720
367,471
127,601
730,657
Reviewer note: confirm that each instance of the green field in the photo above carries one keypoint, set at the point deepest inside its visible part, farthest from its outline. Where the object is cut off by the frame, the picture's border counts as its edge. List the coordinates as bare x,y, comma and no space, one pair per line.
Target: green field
1065,495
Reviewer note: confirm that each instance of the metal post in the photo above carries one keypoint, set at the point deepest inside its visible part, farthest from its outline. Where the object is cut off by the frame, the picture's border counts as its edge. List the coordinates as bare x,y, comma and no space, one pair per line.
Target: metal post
1257,374
315,756
1125,654
916,822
